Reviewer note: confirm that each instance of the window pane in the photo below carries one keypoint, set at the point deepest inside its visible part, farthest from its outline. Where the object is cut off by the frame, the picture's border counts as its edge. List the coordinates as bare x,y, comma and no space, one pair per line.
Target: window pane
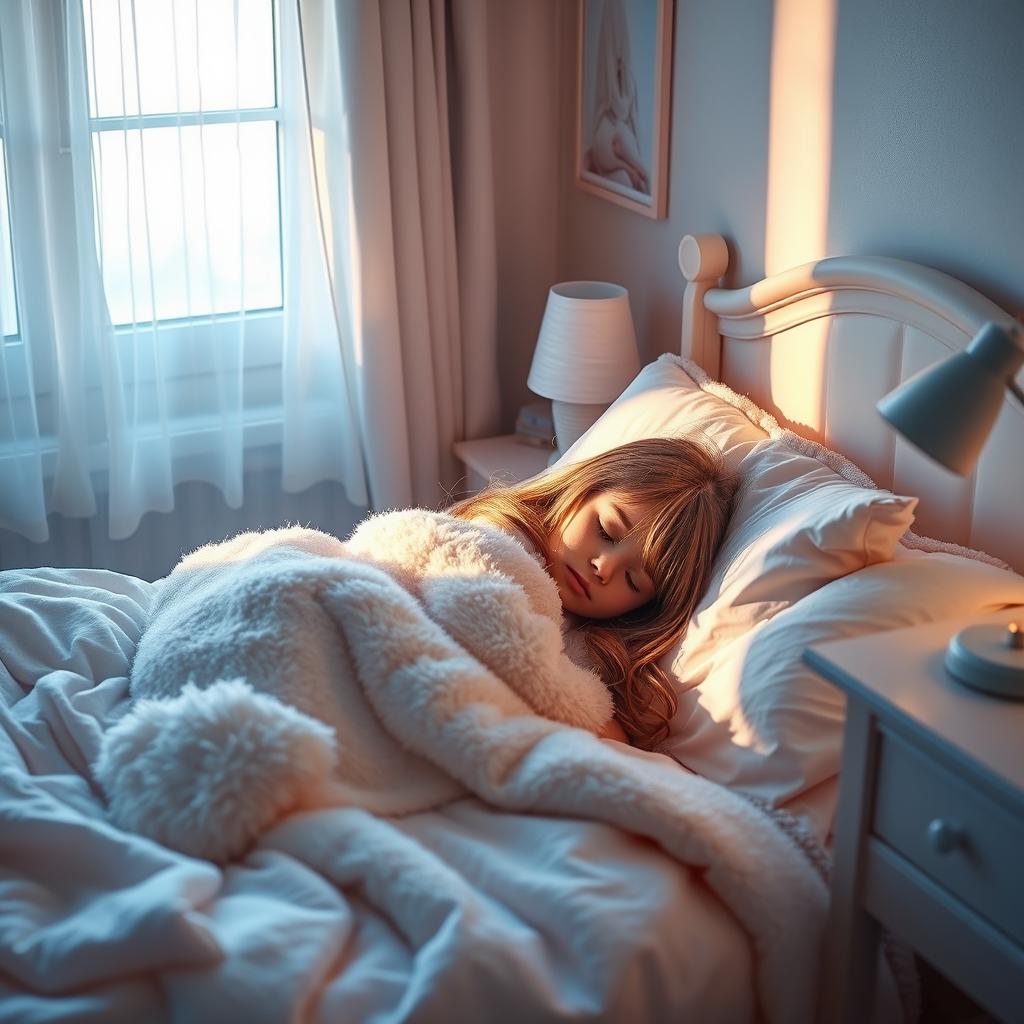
8,307
204,205
186,51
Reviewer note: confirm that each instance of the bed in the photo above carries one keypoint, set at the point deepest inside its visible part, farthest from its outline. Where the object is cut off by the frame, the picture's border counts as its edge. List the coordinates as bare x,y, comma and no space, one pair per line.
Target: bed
476,911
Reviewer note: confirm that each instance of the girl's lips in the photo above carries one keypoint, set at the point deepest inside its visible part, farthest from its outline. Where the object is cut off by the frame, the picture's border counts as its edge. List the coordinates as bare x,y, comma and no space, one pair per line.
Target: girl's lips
579,581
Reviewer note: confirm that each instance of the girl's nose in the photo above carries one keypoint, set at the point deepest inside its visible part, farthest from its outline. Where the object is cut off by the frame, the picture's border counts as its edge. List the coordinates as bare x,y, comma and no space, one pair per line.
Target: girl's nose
604,566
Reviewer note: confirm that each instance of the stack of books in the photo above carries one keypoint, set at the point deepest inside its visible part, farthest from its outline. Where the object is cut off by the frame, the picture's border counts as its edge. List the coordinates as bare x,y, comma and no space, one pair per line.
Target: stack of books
534,425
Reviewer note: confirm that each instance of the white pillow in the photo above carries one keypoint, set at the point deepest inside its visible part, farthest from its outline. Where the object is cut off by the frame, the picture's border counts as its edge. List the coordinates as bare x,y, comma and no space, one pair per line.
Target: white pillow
764,723
663,401
795,526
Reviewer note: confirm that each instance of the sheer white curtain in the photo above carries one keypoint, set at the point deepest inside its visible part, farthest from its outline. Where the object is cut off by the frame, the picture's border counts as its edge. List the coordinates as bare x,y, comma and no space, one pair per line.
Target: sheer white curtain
170,302
401,117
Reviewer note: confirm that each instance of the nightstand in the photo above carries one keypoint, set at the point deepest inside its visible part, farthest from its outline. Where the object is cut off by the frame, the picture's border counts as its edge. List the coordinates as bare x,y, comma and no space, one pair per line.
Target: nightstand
502,459
929,837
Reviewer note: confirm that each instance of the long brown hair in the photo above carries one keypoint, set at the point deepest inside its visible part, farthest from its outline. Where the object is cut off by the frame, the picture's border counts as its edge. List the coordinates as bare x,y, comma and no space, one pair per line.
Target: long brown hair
688,489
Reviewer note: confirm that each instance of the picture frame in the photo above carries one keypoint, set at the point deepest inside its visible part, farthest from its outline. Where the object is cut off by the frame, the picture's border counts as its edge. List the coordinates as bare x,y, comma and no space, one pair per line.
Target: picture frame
623,96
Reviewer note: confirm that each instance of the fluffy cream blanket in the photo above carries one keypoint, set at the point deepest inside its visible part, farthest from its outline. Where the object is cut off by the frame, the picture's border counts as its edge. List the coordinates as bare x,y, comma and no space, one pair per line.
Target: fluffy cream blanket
415,662
353,634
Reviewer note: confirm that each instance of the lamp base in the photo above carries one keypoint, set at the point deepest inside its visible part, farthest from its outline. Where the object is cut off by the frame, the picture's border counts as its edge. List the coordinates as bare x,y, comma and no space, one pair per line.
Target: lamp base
572,421
989,658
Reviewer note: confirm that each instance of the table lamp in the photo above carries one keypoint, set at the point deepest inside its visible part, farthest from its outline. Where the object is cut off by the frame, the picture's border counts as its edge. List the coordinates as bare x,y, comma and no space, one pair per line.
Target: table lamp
586,354
947,411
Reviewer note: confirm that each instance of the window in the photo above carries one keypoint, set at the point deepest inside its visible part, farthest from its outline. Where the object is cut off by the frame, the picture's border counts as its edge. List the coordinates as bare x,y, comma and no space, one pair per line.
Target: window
158,158
184,119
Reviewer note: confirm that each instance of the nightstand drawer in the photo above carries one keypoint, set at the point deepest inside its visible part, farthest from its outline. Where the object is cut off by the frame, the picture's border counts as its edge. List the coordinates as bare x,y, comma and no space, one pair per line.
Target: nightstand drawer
960,837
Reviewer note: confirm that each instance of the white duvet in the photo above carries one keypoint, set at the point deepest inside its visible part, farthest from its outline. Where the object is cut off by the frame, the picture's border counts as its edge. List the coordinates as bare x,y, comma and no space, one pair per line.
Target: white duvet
460,913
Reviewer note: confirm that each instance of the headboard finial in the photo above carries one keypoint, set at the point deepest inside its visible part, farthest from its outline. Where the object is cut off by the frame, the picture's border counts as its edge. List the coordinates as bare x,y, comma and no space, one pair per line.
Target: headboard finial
703,257
703,260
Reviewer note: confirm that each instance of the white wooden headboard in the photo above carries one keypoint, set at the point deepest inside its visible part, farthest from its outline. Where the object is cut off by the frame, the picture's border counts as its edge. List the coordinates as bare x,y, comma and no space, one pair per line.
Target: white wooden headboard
818,345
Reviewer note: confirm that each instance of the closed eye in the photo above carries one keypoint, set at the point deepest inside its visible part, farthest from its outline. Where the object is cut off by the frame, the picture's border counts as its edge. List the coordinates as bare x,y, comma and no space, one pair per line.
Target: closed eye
608,537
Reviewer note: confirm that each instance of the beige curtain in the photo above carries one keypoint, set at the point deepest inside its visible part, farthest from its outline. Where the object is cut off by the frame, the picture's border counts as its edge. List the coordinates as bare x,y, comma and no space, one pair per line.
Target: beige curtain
398,97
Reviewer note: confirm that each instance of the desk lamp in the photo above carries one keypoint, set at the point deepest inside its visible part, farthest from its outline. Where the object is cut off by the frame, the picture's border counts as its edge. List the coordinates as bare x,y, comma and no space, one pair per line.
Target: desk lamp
947,411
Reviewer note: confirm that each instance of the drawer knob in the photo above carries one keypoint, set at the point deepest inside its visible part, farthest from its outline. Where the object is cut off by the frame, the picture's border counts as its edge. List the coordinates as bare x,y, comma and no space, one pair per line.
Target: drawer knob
945,836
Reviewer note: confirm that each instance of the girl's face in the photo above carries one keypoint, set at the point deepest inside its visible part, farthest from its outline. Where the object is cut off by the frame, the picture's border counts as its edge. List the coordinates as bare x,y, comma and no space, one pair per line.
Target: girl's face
597,569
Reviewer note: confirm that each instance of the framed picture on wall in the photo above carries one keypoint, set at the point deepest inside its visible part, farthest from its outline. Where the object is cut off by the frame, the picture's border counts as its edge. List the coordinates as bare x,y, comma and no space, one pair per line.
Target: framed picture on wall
624,72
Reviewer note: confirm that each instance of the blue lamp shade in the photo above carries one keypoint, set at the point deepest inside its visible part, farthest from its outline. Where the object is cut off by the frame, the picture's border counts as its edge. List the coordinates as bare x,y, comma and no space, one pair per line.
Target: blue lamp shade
948,410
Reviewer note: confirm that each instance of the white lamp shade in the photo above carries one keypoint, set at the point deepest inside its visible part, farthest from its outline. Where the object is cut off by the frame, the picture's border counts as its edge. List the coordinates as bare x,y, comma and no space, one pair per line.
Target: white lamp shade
586,351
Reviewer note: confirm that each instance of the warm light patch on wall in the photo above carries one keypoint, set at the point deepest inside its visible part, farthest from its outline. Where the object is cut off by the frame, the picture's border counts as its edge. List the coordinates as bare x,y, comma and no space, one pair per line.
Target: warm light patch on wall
797,372
797,194
800,132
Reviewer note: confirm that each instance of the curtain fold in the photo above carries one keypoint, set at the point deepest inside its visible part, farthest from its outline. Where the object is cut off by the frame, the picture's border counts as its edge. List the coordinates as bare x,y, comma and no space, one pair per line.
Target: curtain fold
321,431
473,186
398,95
48,395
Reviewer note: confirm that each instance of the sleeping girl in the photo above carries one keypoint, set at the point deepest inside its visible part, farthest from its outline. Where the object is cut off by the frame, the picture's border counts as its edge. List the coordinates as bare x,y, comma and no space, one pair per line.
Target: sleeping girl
628,536
425,653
